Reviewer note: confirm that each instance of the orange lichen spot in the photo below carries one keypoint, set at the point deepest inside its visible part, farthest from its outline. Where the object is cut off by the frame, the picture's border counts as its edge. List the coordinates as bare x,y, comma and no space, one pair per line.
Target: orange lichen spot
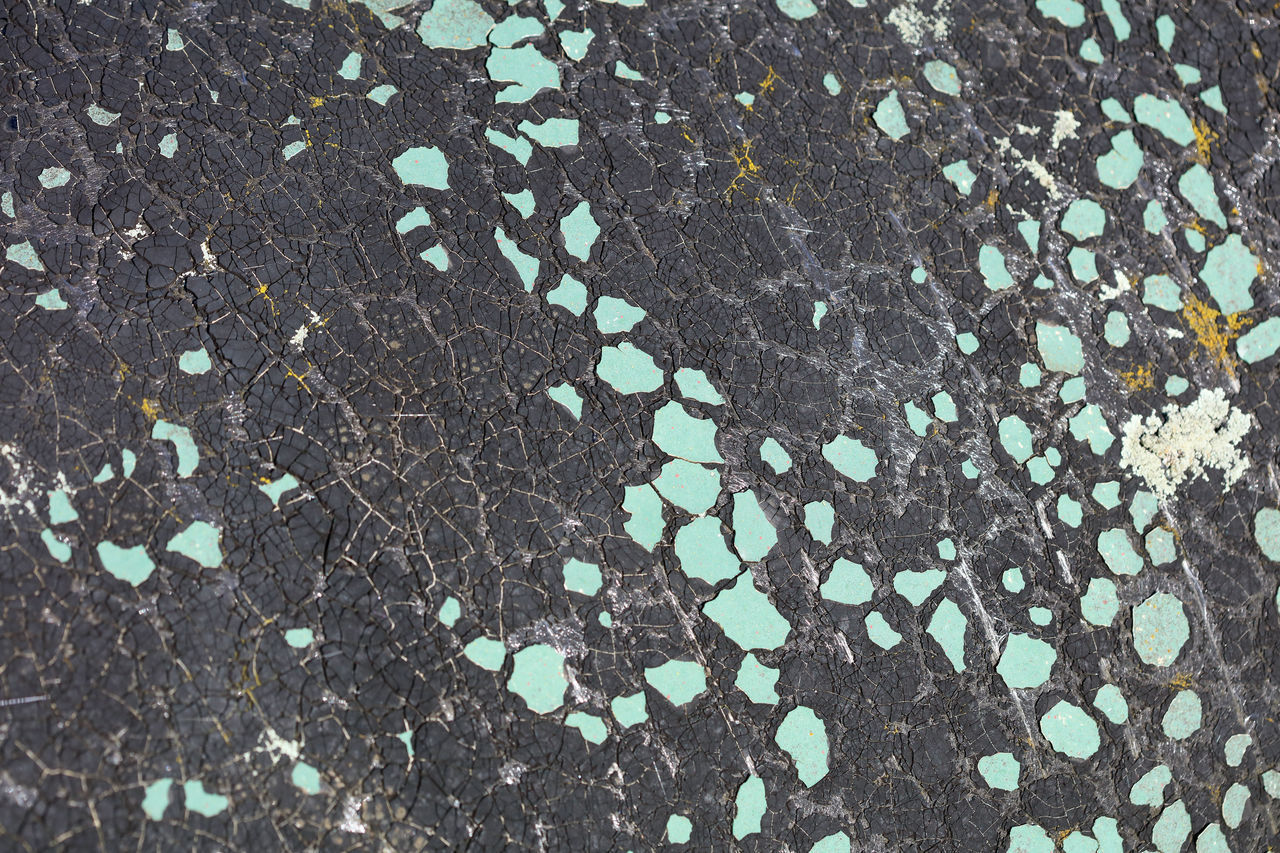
1212,336
1142,376
767,84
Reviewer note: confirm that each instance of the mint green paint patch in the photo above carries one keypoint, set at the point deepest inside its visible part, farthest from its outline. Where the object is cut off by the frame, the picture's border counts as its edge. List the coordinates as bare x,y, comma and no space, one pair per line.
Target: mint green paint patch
820,518
745,98
381,94
1029,375
582,577
661,117
514,29
1196,186
60,509
851,458
969,469
1149,790
293,149
1183,716
803,736
350,69
1084,265
961,175
1161,547
1042,282
1026,662
628,369
691,487
1235,748
605,619
948,627
54,177
1212,98
625,71
275,490
1271,784
1029,838
819,311
1195,240
694,384
156,799
526,67
831,84
1091,51
299,638
1114,111
24,254
1085,218
1070,512
967,342
991,264
200,542
98,116
1160,629
944,407
1041,616
749,807
486,653
679,681
449,612
753,534
567,396
942,76
679,828
1261,342
1072,390
757,681
880,632
422,166
183,446
1013,580
1060,350
1164,31
128,459
836,842
1116,330
1070,730
1165,116
200,801
1266,532
168,145
195,362
526,266
131,565
306,778
437,257
890,117
1233,805
848,583
1110,701
917,418
1211,840
947,549
589,726
1069,12
702,552
1119,167
1016,438
517,146
416,218
1119,23
915,587
1153,218
777,458
645,508
575,44
1040,470
797,10
615,315
1090,426
58,549
1000,771
629,710
1188,75
1175,385
580,231
1118,552
537,676
918,275
1100,604
1078,842
1162,292
6,199
1172,828
454,25
552,133
747,617
570,294
523,203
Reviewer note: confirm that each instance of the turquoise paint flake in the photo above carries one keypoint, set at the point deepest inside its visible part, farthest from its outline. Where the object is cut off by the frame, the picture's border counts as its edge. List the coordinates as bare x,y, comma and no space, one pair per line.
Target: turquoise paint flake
851,458
1188,75
200,801
694,385
449,612
944,407
1026,662
915,587
880,632
831,84
567,396
661,117
581,577
454,25
199,542
1085,218
819,311
1118,552
168,145
1228,271
416,218
1029,375
946,549
1119,23
890,117
183,446
350,69
195,362
1041,616
1172,828
54,177
1196,186
24,254
797,10
437,257
1161,547
517,146
848,583
942,76
777,458
575,44
1266,532
1070,730
1164,31
580,231
1084,265
702,552
526,266
691,487
754,536
1261,342
485,653
917,418
1077,842
679,828
961,175
645,508
510,31
749,807
1195,240
299,638
1114,111
1160,629
679,681
381,94
969,469
1070,512
1119,167
1100,603
819,518
1116,330
60,509
1175,385
156,798
948,627
1211,840
1091,51
1069,12
524,66
1015,437
1149,789
521,201
1235,748
991,264
628,369
1029,838
629,710
1013,580
1059,348
590,726
131,565
747,617
757,681
1000,771
537,676
615,315
1111,702
98,116
423,166
275,490
746,99
1090,426
1212,98
1233,805
570,294
803,736
306,778
1030,231
625,72
967,342
552,133
1160,291
58,549
1183,716
128,459
293,149
1165,116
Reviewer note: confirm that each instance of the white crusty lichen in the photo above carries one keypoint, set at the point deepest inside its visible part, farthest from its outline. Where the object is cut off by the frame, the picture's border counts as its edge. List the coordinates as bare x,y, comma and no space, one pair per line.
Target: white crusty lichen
1166,450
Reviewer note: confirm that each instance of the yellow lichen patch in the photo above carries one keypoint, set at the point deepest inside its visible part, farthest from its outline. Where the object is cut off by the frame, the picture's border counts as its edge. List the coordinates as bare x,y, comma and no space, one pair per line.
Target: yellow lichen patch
747,168
150,408
1211,336
767,83
1204,138
316,100
1142,376
1181,681
992,198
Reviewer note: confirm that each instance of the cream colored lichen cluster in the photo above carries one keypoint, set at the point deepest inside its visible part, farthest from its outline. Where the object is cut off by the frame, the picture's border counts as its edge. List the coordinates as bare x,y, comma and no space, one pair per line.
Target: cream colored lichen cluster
1167,450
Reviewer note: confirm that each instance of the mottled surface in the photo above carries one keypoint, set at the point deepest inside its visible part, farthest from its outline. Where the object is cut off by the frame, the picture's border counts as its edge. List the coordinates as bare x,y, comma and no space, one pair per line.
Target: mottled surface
813,426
